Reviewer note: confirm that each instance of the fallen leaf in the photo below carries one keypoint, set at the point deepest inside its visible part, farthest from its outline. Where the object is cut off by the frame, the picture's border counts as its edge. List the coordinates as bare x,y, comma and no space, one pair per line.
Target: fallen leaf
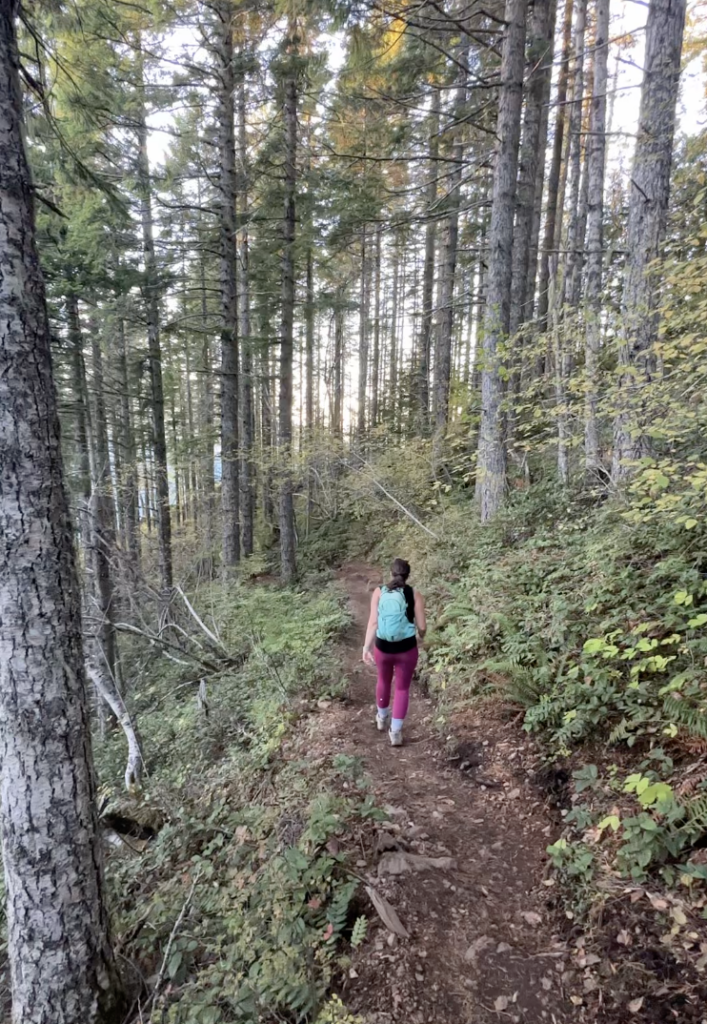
576,1000
678,916
656,902
314,903
329,931
400,863
353,973
624,938
387,913
476,947
530,917
500,1004
636,1005
546,984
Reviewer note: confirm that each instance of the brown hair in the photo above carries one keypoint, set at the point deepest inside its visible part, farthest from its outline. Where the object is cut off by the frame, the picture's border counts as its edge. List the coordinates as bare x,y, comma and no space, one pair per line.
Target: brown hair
399,572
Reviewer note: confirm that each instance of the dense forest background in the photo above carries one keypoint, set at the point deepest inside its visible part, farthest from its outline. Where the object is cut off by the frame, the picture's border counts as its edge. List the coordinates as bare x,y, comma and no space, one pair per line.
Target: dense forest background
347,280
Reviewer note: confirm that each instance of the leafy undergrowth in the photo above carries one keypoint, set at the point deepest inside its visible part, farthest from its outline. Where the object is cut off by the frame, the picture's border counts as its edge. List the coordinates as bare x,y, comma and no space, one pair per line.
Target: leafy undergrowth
239,907
588,619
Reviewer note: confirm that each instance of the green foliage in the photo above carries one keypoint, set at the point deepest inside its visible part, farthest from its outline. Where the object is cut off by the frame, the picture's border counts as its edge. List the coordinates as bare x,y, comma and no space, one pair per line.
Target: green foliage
243,830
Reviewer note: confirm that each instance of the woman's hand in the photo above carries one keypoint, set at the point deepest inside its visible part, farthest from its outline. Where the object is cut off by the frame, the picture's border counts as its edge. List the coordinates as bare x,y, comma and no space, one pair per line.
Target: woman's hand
367,657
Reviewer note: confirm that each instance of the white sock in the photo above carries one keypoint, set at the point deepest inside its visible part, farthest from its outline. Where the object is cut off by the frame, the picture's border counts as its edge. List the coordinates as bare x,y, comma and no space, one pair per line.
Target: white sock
397,725
383,712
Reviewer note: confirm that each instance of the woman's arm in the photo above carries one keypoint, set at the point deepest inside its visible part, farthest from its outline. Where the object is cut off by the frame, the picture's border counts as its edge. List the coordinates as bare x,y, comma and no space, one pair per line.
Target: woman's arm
372,626
420,616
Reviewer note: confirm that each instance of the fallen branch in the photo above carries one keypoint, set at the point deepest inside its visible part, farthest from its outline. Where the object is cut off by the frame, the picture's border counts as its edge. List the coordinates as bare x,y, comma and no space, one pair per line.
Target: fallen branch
165,959
198,621
391,497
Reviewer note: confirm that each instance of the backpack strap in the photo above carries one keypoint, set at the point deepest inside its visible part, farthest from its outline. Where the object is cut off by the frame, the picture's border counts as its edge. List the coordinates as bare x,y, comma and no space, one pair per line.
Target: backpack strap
409,595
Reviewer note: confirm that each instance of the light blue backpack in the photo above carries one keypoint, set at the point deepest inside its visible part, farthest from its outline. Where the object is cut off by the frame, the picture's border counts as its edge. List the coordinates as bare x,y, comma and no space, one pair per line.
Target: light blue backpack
393,621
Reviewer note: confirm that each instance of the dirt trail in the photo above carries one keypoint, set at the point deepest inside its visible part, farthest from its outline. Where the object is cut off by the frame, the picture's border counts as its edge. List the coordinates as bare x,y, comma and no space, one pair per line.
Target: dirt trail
481,944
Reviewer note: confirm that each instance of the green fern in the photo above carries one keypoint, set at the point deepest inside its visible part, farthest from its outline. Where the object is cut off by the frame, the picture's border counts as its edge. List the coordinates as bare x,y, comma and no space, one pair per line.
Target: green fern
358,935
689,716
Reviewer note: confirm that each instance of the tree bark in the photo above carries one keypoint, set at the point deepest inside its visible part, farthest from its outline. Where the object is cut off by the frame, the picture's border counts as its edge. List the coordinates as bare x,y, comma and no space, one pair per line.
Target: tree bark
230,486
595,239
128,478
492,456
363,337
553,181
648,205
428,275
82,414
247,468
375,368
102,521
151,295
288,563
531,161
338,425
569,289
61,964
445,327
206,403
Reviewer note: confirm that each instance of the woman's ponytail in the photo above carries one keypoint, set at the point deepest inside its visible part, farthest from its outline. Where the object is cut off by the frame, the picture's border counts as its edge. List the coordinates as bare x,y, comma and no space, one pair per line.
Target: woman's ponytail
399,572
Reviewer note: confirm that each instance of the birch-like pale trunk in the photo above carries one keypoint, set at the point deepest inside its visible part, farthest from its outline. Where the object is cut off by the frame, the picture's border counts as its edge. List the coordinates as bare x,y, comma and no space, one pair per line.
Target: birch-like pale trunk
491,475
648,206
61,964
595,239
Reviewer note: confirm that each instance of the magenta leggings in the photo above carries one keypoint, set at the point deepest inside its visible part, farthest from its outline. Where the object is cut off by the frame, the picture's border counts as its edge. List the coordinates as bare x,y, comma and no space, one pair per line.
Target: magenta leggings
403,664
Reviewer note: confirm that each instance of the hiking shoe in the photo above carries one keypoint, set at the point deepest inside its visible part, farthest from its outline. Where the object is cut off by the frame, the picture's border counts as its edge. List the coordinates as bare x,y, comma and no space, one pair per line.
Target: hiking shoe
396,738
381,722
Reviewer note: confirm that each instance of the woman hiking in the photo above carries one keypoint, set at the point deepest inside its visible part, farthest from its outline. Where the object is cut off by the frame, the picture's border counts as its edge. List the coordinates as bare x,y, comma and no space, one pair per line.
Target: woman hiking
397,615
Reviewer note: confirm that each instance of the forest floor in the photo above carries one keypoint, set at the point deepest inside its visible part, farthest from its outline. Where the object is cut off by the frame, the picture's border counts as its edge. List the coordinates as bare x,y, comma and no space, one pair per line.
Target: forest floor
482,945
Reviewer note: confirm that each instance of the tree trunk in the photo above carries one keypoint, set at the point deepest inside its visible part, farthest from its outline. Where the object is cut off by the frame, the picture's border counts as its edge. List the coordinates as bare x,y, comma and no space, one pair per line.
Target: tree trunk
445,326
391,397
206,416
267,419
569,288
492,456
595,238
531,162
61,964
247,468
110,694
553,181
288,563
82,413
650,190
375,368
102,522
428,276
363,338
338,425
230,484
151,296
128,478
